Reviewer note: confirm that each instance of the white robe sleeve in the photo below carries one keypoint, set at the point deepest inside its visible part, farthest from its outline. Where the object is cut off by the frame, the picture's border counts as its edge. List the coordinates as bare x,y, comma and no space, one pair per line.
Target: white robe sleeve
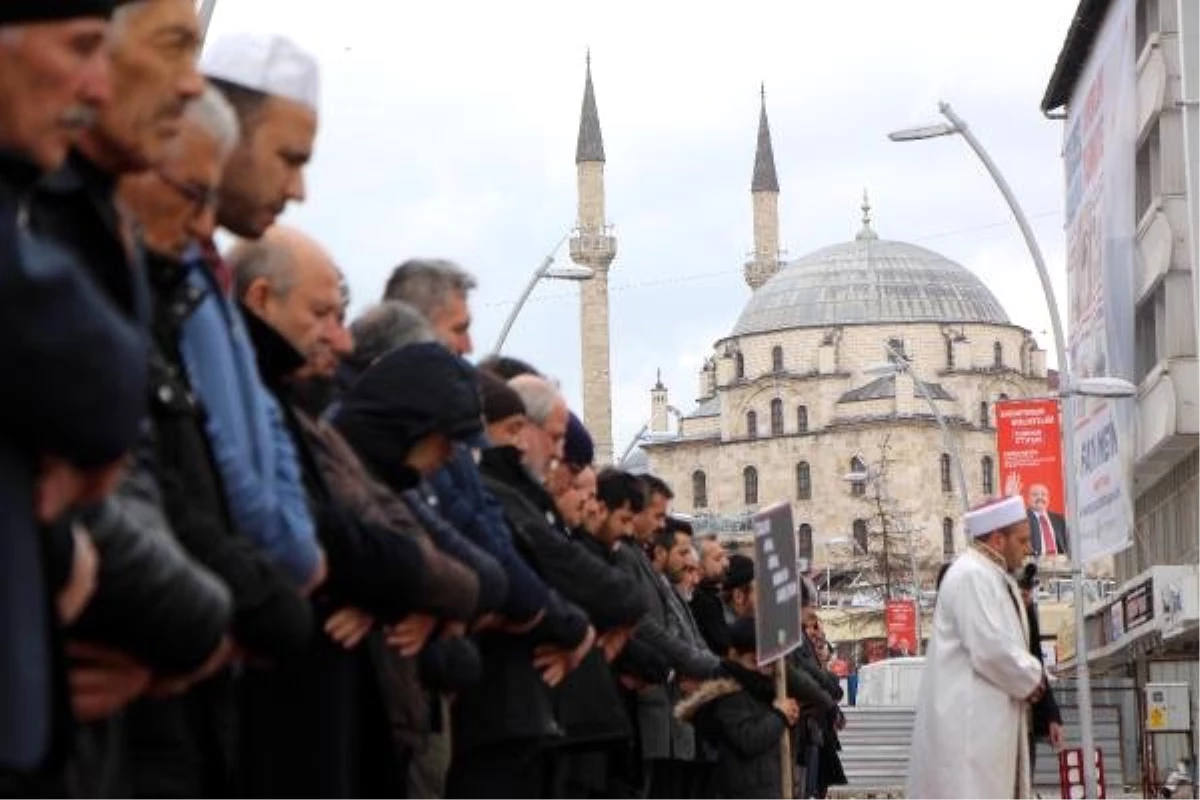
991,634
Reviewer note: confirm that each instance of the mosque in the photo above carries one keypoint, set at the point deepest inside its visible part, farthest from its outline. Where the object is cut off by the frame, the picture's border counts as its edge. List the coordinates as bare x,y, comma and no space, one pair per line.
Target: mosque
815,386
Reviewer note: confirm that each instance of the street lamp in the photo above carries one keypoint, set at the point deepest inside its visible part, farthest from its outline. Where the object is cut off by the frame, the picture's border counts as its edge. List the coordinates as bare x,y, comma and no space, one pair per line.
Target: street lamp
544,270
900,364
204,12
1083,682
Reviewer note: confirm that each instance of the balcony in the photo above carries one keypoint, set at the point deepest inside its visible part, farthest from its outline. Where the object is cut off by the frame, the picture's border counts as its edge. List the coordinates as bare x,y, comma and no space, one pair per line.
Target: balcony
593,249
1168,417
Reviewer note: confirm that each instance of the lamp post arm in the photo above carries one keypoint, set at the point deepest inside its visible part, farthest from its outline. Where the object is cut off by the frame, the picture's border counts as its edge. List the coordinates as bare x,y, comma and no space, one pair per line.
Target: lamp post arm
1083,682
538,274
637,437
205,15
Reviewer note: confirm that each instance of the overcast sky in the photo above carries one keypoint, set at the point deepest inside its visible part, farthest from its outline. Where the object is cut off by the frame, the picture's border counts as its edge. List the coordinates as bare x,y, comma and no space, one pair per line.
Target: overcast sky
448,129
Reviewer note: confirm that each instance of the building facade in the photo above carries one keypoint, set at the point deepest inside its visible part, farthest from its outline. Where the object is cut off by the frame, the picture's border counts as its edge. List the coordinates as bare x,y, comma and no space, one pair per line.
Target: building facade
814,389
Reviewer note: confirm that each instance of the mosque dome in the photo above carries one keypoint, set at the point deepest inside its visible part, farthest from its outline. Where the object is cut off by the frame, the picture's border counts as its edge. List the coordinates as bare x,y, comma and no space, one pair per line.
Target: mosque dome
868,281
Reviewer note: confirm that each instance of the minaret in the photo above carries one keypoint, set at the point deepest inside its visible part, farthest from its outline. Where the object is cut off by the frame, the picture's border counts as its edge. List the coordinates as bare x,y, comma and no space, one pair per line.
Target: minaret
658,406
764,189
593,247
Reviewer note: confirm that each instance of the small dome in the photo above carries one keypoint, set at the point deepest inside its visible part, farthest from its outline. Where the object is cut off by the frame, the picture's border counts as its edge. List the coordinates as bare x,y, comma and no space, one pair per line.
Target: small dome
866,281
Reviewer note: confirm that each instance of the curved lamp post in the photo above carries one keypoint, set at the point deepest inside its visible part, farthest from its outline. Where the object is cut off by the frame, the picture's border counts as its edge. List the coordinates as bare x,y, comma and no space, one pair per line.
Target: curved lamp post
1108,387
544,270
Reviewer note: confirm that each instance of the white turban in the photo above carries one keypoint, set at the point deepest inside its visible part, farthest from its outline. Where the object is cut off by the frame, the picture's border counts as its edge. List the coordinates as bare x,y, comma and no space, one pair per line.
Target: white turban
995,516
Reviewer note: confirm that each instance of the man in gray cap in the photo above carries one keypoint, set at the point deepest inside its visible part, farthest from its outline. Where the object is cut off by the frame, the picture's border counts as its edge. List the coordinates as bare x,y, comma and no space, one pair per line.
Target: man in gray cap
56,449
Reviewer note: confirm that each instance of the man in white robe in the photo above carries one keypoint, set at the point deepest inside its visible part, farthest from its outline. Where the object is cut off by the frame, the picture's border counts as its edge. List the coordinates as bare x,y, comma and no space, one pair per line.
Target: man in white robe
971,732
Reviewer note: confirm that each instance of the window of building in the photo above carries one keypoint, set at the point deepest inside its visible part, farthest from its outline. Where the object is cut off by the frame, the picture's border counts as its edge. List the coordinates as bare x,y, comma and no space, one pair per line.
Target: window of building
984,416
944,463
699,489
1147,24
750,485
751,424
947,537
803,481
739,365
776,417
987,469
804,543
895,350
777,359
997,355
862,539
949,353
802,419
1146,332
858,488
1147,172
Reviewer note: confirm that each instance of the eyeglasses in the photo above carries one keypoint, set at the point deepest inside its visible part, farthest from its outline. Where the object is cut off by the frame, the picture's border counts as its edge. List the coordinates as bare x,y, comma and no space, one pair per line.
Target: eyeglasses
201,197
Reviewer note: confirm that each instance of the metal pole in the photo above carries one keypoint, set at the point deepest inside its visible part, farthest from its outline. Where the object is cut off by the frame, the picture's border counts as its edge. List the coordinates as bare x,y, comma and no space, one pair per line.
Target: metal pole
205,14
912,550
1083,681
538,274
637,437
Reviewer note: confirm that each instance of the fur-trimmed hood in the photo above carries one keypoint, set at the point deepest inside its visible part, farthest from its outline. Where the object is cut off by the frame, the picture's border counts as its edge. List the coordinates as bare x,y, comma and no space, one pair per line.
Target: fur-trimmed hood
709,691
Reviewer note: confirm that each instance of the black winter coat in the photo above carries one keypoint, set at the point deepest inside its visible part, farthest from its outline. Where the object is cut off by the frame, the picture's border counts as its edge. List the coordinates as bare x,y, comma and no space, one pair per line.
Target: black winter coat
1045,710
709,612
737,718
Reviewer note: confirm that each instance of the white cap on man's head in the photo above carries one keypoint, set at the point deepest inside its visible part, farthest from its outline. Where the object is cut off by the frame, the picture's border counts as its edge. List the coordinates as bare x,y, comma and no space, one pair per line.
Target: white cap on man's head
994,516
266,63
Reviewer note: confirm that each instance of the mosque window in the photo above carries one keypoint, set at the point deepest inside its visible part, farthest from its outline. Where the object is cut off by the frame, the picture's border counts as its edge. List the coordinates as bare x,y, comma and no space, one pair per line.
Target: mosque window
751,424
802,419
739,365
699,489
804,542
777,359
776,417
997,355
947,486
750,485
987,469
984,416
947,537
858,488
862,539
949,353
803,481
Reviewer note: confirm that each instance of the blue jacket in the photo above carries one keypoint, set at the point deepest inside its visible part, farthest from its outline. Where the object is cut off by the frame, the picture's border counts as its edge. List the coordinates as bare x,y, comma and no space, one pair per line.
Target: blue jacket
251,446
467,505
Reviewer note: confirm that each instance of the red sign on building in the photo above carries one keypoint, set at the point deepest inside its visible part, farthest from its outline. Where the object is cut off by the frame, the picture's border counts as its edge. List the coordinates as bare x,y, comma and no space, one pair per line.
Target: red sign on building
901,617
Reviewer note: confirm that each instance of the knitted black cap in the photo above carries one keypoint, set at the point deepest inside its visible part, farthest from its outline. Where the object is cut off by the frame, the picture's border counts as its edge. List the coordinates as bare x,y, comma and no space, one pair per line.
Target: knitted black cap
18,12
740,573
499,400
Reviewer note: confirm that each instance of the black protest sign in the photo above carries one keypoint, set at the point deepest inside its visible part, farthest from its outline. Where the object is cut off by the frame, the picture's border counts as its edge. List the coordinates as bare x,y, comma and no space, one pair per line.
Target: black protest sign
776,583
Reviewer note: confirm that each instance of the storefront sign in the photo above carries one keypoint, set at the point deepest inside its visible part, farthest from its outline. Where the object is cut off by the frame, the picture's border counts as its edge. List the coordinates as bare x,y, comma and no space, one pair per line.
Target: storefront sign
901,627
1139,605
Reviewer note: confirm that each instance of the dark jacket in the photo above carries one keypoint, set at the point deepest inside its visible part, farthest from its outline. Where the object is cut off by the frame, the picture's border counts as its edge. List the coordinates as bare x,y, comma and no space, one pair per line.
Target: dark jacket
709,612
476,514
587,704
737,717
661,734
1045,710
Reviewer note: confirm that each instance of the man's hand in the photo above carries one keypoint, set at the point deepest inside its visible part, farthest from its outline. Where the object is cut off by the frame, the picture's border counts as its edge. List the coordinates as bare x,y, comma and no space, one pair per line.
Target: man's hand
81,585
409,635
583,648
1012,485
62,486
789,708
1058,737
348,626
103,681
1038,692
612,642
553,662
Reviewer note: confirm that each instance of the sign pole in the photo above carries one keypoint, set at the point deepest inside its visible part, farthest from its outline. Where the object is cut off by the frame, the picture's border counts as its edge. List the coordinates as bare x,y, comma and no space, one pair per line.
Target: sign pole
785,744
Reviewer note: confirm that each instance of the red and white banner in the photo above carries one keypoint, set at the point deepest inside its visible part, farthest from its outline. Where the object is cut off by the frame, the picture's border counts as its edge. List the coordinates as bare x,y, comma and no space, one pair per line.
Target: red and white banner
1029,442
901,621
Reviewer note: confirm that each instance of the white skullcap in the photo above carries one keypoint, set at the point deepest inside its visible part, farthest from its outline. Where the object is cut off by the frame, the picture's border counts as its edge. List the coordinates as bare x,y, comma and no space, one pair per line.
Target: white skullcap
266,63
995,516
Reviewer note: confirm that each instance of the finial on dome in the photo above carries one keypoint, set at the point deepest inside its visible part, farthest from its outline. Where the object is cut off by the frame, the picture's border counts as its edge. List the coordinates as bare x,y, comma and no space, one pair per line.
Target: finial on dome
658,384
866,232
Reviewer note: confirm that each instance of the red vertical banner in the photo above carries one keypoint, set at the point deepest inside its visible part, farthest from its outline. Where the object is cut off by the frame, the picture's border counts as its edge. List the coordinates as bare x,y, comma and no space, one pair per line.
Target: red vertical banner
1029,444
901,620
